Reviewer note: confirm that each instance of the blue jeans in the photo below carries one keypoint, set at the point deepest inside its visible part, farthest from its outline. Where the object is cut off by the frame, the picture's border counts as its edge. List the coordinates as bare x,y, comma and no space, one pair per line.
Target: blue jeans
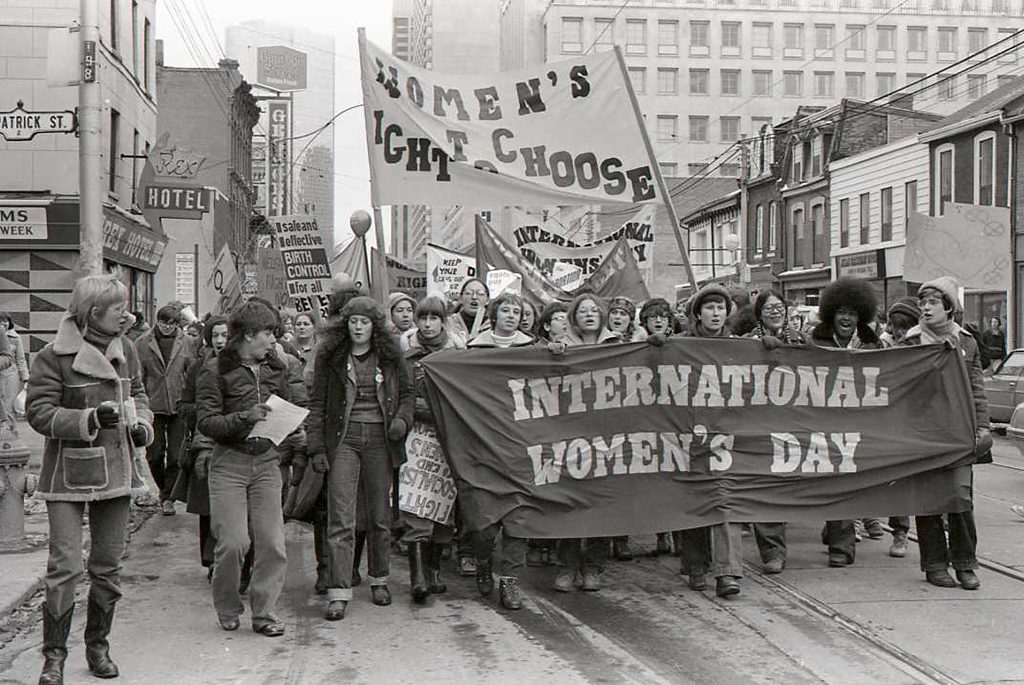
363,454
245,494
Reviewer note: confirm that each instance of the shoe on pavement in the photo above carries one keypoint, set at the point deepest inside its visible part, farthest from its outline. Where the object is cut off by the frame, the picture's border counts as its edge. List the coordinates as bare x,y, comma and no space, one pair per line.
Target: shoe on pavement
565,580
228,622
898,548
591,581
773,566
621,550
858,530
968,579
467,567
727,586
1018,510
336,610
484,579
875,529
381,595
838,560
940,578
698,582
270,629
167,507
664,544
508,591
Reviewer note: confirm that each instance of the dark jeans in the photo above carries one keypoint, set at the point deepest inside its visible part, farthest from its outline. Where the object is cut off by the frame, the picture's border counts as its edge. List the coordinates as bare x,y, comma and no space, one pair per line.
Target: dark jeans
108,522
513,550
162,455
362,454
583,554
936,554
207,542
717,549
841,538
771,540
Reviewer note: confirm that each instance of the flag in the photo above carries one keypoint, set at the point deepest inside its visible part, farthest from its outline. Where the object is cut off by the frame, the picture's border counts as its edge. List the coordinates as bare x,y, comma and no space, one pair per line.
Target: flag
494,253
618,275
352,261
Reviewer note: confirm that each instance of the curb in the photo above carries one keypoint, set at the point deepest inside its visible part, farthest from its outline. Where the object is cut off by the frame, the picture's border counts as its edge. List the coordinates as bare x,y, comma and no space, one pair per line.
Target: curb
34,586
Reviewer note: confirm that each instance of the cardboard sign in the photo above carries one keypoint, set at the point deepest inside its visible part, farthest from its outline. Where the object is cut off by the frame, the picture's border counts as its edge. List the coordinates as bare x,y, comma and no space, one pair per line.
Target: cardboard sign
426,486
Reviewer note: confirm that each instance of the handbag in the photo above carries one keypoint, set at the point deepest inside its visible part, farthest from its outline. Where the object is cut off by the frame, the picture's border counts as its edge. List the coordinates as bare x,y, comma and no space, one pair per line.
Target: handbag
302,498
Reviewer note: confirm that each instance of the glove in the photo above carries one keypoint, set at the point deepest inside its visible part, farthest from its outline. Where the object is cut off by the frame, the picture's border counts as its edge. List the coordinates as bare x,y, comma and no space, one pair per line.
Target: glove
257,413
104,416
202,465
139,435
657,339
556,348
397,430
770,342
319,462
982,441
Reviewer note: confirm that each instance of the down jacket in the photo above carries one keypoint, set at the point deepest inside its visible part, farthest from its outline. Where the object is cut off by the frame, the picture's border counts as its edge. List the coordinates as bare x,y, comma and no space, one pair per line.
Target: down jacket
68,380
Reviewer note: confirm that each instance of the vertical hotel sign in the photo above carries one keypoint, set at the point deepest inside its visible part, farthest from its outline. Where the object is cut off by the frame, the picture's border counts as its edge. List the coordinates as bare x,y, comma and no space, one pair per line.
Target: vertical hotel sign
279,156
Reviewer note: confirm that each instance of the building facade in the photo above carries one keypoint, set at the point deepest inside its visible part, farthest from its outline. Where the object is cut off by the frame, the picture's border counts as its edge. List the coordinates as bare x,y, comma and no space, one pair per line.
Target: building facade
708,72
39,177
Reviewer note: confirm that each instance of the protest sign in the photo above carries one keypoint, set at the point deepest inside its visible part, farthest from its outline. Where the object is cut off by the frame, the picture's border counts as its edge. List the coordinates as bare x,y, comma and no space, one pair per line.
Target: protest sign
500,281
224,280
307,270
426,487
556,134
633,438
567,276
447,270
403,278
969,243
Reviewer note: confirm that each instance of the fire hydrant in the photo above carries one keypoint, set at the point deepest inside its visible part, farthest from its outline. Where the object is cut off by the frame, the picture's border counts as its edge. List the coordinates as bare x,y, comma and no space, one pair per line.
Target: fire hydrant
15,485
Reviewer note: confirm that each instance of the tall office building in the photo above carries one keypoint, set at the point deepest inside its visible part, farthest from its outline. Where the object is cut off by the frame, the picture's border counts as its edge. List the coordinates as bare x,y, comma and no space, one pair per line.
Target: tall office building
522,33
310,167
707,72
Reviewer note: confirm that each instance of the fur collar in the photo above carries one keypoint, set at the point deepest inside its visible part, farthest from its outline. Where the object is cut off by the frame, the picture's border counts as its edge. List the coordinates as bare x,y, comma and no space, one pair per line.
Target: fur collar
228,360
88,359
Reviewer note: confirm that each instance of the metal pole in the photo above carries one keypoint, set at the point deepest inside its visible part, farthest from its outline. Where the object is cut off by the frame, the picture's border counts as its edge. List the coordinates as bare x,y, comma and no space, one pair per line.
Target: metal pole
656,170
379,279
90,145
195,276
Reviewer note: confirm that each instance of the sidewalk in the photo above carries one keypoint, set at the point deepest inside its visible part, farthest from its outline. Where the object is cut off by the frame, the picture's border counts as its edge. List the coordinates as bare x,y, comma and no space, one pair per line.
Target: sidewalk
23,571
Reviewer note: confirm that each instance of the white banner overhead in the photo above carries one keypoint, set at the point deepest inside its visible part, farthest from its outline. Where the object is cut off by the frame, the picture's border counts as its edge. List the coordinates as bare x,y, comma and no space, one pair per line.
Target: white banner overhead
562,133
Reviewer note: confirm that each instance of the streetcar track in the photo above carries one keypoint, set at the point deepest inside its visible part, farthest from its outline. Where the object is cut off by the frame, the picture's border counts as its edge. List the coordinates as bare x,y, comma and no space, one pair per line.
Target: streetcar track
1005,466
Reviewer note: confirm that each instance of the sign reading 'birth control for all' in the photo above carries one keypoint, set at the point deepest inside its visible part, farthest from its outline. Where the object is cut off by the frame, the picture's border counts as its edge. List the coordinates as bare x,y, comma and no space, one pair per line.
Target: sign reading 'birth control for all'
307,269
23,223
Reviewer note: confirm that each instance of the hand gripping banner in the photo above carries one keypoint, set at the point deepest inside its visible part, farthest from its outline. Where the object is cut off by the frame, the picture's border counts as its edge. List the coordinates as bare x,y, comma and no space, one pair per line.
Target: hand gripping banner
632,438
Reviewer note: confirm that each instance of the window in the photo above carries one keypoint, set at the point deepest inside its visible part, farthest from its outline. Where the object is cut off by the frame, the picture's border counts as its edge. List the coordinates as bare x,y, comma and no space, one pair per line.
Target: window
798,223
814,157
947,88
698,34
757,124
977,40
1000,6
917,42
114,151
762,84
824,36
730,129
572,35
1004,80
636,37
854,84
944,170
844,223
729,170
762,40
669,169
772,226
865,218
699,82
793,40
668,37
696,168
823,84
886,38
604,34
114,25
909,201
885,83
798,164
947,42
975,86
638,76
886,214
759,228
984,168
730,34
855,37
698,129
1011,56
667,127
793,84
147,37
668,82
135,40
919,79
730,81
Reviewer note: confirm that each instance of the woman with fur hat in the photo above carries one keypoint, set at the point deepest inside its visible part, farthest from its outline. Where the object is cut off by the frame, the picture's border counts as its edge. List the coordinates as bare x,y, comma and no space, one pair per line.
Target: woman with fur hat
621,311
939,301
361,407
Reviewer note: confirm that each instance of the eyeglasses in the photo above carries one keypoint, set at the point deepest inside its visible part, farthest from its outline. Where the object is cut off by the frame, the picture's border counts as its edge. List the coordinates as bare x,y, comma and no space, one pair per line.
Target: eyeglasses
773,308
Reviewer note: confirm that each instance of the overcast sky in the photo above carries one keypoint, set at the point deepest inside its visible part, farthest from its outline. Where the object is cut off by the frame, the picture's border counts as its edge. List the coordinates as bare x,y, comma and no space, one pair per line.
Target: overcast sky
340,18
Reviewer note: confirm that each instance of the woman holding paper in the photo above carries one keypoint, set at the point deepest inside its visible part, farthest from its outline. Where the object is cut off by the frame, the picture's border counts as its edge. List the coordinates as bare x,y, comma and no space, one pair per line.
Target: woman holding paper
361,407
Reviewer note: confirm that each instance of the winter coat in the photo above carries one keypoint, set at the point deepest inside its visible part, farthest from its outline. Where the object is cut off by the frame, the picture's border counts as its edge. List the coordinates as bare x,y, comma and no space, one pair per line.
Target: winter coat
456,325
19,369
824,335
413,355
606,337
188,487
968,347
334,381
225,391
165,378
68,380
486,339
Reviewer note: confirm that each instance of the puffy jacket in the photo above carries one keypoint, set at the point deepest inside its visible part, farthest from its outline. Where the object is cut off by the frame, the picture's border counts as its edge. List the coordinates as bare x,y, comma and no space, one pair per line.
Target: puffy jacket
68,379
164,378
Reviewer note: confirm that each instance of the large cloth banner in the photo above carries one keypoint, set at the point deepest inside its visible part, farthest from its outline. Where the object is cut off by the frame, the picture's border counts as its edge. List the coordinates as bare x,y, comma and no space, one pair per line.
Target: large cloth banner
403,278
556,134
970,243
426,487
447,270
307,270
352,261
632,438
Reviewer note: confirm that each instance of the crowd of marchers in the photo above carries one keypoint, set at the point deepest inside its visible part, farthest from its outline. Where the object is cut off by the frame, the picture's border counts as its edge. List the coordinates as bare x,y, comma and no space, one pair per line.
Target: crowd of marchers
119,402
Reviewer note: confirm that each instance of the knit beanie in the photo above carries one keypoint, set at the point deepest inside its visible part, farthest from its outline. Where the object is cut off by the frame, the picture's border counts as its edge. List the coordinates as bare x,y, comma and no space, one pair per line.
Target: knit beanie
710,289
906,306
362,306
949,288
396,297
655,306
623,303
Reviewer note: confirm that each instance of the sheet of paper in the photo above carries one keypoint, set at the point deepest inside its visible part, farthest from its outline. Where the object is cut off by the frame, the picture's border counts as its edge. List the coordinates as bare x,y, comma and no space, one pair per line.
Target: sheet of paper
283,419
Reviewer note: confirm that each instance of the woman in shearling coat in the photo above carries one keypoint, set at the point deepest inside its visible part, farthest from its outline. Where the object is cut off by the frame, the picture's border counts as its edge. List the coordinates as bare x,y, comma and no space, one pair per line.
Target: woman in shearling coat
85,395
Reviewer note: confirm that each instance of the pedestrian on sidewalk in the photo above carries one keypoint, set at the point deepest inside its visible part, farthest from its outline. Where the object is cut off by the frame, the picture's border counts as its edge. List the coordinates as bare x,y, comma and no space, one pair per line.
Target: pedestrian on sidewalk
361,408
244,477
15,376
86,396
165,353
939,302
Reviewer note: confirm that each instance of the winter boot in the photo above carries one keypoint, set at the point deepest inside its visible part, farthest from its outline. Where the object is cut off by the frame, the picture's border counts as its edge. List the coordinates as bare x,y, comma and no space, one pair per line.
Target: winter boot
55,646
508,589
484,579
435,553
97,650
417,580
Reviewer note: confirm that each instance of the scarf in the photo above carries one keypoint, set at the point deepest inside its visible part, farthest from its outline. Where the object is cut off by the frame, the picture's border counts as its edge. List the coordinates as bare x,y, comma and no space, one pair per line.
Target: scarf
438,342
786,334
705,333
947,330
103,342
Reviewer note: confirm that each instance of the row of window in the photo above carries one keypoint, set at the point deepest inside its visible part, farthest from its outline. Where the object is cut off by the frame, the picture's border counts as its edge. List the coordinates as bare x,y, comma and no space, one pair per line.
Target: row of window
983,166
763,38
142,42
885,214
1011,7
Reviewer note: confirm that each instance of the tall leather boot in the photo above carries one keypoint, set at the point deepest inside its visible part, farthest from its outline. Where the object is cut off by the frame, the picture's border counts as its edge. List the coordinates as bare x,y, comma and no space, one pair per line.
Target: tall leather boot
435,553
55,646
97,649
484,578
357,557
417,580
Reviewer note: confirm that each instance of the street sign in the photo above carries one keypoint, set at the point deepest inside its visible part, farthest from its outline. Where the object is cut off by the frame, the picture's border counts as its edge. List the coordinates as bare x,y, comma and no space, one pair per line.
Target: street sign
20,124
280,68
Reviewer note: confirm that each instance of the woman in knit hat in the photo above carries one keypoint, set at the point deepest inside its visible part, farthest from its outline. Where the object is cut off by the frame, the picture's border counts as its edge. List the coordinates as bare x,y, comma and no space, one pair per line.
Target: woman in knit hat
361,407
400,312
939,301
621,311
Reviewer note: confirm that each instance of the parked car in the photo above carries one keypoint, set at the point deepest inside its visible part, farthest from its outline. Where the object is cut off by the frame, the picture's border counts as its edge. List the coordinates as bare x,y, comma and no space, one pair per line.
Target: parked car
1004,386
1015,431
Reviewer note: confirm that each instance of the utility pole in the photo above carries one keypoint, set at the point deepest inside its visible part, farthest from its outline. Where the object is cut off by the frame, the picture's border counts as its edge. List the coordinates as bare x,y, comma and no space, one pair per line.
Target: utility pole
90,145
